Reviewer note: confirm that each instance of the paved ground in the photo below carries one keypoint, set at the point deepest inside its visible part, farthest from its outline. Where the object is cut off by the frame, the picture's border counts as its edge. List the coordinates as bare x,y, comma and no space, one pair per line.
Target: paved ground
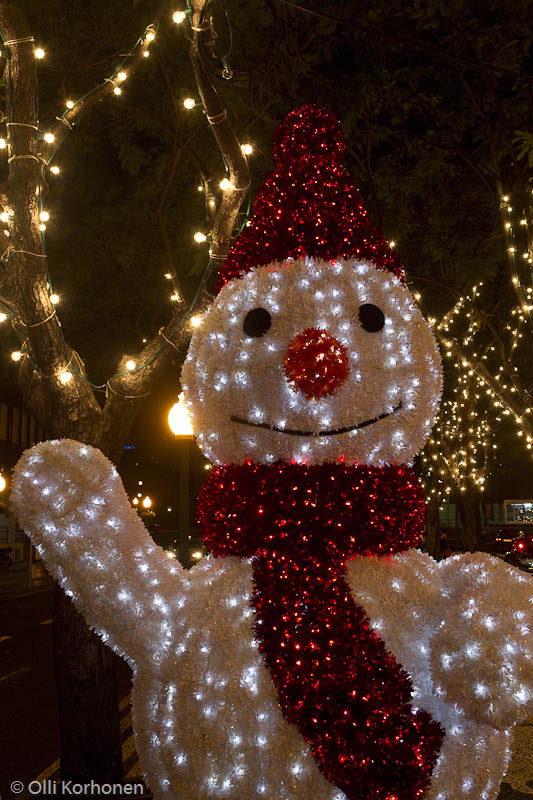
19,579
28,712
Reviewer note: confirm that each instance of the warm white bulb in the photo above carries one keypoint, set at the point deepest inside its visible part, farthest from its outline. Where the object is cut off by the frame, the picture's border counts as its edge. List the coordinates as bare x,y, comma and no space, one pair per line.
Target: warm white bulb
3,316
189,103
135,501
147,503
196,321
121,76
175,298
16,355
65,377
3,144
146,53
150,36
247,149
42,227
392,244
39,52
4,216
117,90
131,364
225,184
55,170
44,216
69,104
178,17
199,237
2,483
49,137
54,298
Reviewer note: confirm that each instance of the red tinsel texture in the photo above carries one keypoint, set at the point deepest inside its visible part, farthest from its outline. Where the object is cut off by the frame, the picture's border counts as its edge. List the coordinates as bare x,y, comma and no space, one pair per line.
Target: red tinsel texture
335,679
316,363
309,204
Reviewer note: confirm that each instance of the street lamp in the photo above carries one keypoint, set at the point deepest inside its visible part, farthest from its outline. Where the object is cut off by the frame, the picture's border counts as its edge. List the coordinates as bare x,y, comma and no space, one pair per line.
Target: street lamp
181,426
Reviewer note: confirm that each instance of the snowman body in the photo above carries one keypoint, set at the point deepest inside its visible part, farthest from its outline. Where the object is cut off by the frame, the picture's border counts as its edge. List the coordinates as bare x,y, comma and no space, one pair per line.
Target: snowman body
324,365
213,688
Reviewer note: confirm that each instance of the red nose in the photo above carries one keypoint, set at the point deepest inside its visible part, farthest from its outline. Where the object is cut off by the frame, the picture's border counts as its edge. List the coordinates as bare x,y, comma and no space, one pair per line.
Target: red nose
316,363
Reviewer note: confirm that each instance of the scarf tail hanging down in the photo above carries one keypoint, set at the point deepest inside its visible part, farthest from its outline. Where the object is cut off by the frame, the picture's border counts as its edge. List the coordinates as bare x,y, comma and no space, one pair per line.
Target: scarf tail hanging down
335,680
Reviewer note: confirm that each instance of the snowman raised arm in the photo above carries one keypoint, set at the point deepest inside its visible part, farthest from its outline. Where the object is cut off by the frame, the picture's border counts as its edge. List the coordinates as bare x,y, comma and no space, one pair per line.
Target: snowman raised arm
315,652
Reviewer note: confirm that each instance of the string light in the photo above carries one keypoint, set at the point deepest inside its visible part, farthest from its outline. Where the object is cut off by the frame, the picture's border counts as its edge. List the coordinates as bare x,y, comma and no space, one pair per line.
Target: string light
189,103
225,184
119,76
130,365
199,237
39,53
16,355
178,17
54,298
3,144
247,149
3,316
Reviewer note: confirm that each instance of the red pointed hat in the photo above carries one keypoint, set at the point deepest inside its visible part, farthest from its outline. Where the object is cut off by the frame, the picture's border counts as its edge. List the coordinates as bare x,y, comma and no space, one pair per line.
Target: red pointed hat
309,205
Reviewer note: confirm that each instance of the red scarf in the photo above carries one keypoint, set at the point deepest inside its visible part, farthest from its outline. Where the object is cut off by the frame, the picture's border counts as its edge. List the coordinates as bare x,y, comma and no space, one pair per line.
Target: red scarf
335,679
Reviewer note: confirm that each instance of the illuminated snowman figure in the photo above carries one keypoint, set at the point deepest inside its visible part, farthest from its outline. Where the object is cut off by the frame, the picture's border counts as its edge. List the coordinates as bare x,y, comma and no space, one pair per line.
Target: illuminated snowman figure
315,653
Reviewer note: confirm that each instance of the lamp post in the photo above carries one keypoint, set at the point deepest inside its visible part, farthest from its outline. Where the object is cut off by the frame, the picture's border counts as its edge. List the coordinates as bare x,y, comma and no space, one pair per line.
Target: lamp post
181,426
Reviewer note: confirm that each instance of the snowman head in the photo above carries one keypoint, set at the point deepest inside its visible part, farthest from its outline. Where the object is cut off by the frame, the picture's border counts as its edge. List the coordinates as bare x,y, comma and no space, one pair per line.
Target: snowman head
306,356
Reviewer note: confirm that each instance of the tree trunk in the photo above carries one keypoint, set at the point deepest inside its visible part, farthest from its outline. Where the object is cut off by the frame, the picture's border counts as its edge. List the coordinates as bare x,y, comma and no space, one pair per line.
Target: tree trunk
469,512
89,728
433,528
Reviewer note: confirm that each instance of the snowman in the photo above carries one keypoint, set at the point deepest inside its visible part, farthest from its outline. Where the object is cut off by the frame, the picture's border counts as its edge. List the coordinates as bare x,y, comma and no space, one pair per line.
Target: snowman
315,652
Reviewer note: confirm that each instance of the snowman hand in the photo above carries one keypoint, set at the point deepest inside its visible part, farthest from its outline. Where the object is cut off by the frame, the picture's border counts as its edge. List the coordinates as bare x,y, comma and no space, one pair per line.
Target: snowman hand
70,500
482,654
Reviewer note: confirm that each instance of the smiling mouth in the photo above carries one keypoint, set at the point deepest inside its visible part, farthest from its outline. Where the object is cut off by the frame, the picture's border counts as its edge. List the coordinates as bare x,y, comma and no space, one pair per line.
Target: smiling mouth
292,432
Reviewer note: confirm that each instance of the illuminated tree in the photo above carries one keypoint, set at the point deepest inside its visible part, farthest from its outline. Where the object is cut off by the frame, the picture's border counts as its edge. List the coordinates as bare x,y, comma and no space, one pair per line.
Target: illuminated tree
52,374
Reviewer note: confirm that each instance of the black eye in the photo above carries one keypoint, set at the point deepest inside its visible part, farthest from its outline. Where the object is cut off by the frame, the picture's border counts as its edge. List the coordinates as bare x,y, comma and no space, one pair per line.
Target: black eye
371,317
257,322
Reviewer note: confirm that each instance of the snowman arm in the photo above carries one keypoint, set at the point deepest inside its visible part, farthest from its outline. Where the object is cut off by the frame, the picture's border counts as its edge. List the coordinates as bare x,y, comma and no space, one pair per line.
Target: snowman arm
482,652
70,500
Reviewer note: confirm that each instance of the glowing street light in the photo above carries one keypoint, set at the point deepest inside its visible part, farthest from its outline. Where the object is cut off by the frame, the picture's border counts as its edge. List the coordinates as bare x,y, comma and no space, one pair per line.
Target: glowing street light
179,419
180,424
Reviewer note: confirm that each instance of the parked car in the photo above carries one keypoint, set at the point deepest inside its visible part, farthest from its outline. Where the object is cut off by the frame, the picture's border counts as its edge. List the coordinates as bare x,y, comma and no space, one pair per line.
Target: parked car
521,554
505,537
